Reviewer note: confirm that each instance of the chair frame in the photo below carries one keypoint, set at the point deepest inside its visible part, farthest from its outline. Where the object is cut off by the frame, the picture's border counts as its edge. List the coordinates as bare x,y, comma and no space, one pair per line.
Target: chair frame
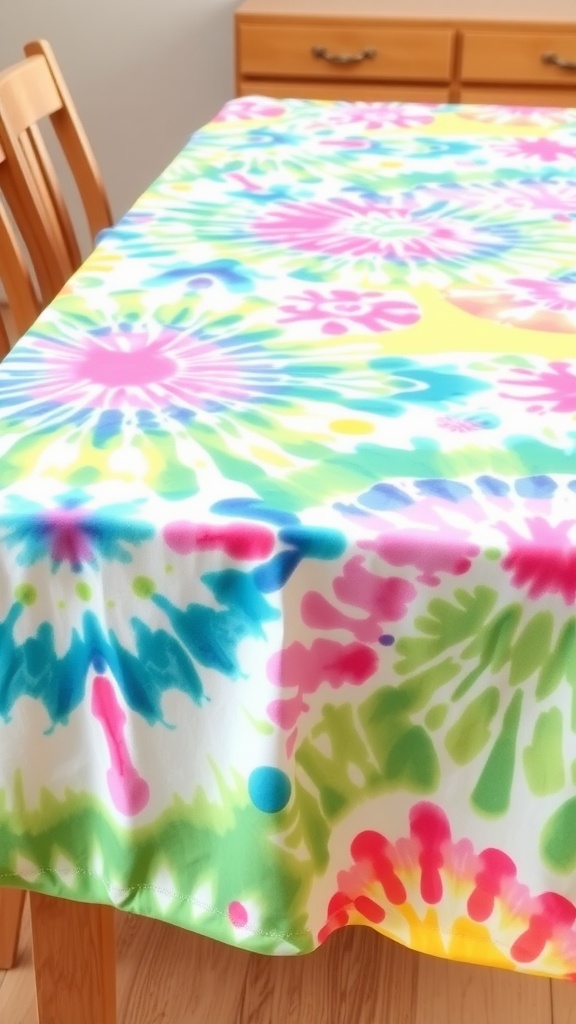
31,90
24,307
14,272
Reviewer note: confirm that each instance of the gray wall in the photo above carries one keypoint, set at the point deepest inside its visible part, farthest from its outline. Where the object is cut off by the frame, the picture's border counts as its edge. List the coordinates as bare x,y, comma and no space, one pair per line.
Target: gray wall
144,74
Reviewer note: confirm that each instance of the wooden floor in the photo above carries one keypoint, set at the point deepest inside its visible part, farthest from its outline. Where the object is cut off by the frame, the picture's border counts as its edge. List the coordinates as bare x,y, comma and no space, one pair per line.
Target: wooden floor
168,976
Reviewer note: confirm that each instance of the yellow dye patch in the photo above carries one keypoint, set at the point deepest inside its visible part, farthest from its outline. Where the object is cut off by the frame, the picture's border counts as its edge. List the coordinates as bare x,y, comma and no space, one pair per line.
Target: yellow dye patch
445,328
270,457
351,427
471,942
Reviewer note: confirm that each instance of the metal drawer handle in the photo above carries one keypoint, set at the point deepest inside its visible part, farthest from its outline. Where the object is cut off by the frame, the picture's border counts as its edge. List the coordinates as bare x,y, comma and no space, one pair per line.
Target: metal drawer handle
342,58
559,62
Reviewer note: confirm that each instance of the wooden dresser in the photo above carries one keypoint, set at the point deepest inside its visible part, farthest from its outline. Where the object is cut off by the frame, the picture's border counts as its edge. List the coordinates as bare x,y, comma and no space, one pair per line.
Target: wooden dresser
378,49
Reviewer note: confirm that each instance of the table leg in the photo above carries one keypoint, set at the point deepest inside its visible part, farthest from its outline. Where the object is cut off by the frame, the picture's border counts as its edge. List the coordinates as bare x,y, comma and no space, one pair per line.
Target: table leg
11,906
74,961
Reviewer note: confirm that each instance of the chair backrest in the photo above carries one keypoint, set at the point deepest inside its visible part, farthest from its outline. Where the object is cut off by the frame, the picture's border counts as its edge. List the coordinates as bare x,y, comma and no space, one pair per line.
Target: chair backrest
23,304
31,90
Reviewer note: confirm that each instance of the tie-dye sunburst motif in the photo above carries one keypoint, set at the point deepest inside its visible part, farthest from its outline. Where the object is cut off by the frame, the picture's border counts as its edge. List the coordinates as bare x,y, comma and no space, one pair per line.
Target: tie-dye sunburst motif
441,895
375,116
528,302
536,117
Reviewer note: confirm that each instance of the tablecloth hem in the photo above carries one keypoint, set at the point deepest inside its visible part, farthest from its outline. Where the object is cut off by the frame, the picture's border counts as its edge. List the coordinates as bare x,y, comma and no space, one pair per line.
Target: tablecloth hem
16,880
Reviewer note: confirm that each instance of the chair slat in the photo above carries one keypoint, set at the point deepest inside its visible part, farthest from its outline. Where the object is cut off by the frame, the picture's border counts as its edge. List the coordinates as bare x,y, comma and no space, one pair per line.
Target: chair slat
30,91
16,279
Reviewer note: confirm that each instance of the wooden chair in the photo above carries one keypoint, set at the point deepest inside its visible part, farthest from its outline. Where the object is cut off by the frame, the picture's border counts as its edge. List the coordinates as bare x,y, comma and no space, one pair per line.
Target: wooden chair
23,304
24,307
30,91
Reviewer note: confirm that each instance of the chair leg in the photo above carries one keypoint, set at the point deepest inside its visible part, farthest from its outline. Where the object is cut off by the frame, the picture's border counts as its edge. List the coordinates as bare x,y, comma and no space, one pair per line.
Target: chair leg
4,338
11,907
74,961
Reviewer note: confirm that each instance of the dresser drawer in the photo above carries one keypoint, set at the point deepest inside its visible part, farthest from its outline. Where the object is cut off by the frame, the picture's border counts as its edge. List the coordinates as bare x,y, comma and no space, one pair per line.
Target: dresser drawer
369,92
520,96
517,57
315,50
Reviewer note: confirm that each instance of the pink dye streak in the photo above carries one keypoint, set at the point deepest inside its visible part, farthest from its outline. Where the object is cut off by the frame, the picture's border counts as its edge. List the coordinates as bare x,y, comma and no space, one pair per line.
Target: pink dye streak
385,599
497,868
238,541
372,848
129,791
556,912
306,669
545,562
427,552
430,826
69,543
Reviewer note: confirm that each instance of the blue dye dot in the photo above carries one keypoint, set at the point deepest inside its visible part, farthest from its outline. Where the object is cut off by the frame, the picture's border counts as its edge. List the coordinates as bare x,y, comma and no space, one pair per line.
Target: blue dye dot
350,510
252,508
182,415
535,487
108,426
386,640
449,490
493,486
99,663
269,789
384,496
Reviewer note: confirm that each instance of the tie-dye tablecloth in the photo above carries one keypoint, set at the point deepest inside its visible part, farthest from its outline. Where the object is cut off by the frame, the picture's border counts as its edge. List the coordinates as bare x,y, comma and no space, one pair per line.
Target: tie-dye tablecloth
287,541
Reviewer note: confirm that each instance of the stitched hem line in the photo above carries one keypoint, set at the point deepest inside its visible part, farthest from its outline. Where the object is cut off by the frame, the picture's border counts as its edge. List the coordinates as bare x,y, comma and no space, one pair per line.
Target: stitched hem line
126,890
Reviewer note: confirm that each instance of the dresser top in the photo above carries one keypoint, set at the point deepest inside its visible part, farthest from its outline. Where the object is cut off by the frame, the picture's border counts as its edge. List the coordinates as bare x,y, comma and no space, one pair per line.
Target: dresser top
453,10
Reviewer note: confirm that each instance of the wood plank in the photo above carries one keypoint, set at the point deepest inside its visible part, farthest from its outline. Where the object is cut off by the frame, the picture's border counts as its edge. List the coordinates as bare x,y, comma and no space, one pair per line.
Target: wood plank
74,961
11,906
17,995
166,974
169,976
356,976
450,993
563,1002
